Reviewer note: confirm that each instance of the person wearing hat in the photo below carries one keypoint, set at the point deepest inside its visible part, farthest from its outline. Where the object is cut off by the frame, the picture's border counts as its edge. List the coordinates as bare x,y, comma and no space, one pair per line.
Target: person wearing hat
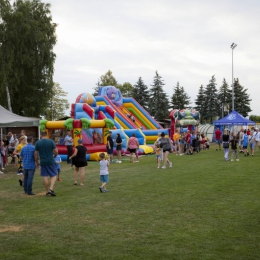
109,146
79,161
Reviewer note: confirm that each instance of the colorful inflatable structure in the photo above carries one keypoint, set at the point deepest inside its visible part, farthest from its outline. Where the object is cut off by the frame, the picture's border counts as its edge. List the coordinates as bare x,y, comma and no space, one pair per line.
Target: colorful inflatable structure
184,119
93,117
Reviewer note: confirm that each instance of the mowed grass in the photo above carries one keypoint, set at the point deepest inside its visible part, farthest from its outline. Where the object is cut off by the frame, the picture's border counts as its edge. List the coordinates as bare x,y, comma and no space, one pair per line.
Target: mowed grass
202,208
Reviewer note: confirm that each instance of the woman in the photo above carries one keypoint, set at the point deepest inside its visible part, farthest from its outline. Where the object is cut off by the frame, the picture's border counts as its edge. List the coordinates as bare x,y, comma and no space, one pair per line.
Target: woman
133,144
225,140
118,147
80,162
165,144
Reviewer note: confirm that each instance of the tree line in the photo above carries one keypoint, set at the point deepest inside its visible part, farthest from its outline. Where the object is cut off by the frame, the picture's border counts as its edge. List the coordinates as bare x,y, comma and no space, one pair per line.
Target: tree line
210,101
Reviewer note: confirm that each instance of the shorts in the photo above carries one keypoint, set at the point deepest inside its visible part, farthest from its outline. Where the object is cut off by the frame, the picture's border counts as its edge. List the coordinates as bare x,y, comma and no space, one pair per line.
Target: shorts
132,150
241,143
109,151
167,150
104,178
49,170
81,163
119,147
218,141
158,157
244,147
187,145
252,145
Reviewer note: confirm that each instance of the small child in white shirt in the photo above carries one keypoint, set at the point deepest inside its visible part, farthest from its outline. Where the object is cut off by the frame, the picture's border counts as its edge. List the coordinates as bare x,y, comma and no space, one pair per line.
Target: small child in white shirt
103,172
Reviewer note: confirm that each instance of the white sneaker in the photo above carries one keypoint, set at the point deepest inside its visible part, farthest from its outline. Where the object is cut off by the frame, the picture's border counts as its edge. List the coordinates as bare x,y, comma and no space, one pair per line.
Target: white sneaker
3,168
232,160
120,162
170,165
164,167
158,167
181,154
237,160
1,172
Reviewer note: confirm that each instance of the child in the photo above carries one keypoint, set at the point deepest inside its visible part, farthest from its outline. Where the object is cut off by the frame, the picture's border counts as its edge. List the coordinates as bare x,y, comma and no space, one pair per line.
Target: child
58,161
234,143
104,163
158,154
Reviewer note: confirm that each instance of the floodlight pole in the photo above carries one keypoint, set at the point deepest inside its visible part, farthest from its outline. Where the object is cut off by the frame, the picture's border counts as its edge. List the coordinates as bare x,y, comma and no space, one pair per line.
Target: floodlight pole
233,46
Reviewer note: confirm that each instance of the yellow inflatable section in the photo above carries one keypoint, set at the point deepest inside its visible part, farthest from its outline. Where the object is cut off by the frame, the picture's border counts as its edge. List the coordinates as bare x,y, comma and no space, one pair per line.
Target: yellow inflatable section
147,149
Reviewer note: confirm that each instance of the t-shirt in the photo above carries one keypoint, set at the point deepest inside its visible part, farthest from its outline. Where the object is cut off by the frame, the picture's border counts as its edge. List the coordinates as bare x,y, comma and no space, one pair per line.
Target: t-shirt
110,141
218,134
103,167
187,138
176,137
45,148
245,140
67,140
234,144
225,138
57,161
19,147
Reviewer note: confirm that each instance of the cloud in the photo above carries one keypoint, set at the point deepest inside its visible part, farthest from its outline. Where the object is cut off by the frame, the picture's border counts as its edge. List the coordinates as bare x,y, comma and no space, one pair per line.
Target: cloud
186,41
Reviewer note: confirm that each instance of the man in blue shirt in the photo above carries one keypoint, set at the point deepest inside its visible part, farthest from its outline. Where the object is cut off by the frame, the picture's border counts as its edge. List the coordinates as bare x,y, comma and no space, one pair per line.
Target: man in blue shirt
27,155
46,148
69,142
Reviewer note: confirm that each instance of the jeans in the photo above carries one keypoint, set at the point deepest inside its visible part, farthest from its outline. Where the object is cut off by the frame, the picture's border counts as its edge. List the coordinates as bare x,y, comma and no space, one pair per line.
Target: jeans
70,151
28,180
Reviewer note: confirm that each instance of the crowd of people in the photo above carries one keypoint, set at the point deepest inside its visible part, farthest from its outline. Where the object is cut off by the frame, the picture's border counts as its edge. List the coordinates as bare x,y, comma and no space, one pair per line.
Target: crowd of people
245,141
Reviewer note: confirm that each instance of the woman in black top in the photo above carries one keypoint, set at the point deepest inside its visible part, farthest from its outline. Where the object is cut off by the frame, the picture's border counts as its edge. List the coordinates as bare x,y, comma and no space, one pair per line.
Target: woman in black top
225,140
80,162
118,147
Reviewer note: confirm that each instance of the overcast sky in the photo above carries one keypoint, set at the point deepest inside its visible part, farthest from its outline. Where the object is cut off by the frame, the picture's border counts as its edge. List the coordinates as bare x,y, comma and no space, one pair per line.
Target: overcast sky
185,41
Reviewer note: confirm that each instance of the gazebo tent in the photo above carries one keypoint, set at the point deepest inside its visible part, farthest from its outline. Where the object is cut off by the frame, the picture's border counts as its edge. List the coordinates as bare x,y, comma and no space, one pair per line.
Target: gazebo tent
9,119
233,118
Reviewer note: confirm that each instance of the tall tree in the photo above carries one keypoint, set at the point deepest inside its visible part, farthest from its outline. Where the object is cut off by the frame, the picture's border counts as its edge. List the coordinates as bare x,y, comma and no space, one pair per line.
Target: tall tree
158,103
224,97
105,80
242,99
141,93
200,103
27,39
211,100
58,104
180,99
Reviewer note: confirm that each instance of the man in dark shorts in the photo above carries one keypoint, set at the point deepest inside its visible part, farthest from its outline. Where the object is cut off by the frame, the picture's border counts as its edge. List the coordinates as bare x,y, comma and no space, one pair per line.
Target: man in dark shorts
45,149
109,146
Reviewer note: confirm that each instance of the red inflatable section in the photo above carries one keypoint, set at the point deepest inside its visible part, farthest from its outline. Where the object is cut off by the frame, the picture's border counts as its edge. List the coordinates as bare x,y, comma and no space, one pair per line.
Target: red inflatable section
88,110
91,148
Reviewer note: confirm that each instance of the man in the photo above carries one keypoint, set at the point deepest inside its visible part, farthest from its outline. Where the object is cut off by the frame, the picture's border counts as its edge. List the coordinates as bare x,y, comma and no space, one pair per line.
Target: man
11,147
176,139
27,156
218,139
110,145
46,148
69,142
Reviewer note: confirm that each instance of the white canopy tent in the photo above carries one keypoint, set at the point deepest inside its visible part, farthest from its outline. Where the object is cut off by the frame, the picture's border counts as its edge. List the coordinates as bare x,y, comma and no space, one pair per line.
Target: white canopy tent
9,119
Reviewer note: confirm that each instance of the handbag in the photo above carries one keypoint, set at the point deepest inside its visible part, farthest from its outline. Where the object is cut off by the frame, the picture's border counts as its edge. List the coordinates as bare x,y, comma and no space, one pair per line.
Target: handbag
225,145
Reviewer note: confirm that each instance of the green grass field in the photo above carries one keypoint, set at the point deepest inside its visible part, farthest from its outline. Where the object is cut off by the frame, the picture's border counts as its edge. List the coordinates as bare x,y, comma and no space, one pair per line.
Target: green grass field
202,208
